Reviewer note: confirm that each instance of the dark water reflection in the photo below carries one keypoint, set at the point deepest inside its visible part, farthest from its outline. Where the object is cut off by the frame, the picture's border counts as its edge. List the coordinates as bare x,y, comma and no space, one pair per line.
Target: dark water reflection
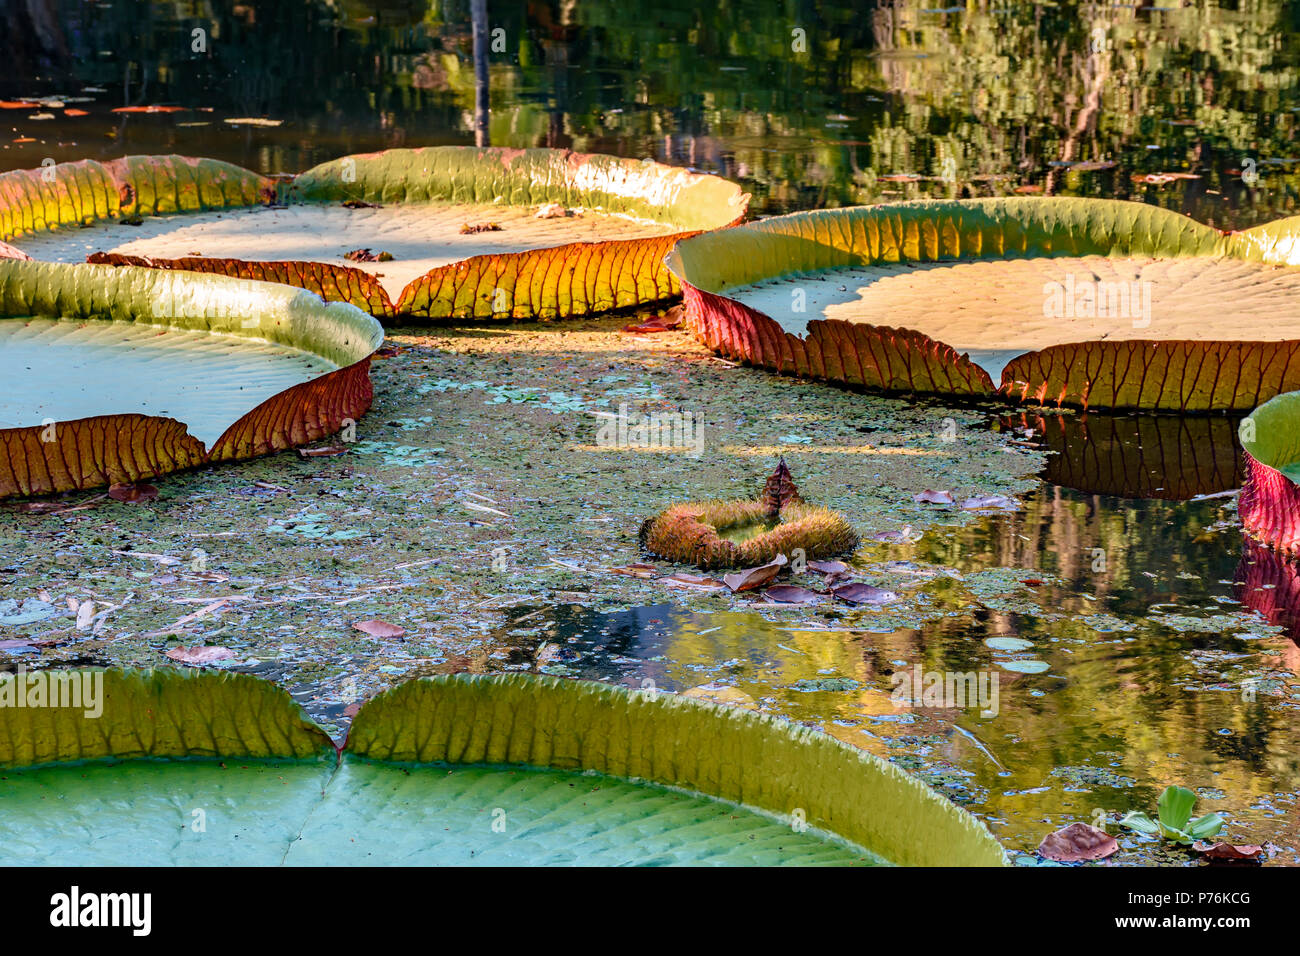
1152,672
1135,455
810,105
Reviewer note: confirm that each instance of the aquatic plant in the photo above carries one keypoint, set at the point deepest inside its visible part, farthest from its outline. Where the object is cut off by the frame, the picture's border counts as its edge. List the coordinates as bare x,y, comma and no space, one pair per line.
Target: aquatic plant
115,376
202,767
1269,504
1174,819
740,533
1082,302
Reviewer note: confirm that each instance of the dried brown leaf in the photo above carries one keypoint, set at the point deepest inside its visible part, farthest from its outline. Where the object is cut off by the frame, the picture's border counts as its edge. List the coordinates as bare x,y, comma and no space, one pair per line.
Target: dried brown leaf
1077,842
1229,852
780,490
751,578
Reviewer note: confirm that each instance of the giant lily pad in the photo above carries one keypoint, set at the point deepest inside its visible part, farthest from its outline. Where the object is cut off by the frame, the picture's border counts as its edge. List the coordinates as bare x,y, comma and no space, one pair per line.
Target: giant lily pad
120,375
1084,302
437,232
204,768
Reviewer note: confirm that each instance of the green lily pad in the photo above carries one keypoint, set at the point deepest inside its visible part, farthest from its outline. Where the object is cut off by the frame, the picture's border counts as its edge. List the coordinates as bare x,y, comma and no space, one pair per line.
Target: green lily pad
122,375
168,768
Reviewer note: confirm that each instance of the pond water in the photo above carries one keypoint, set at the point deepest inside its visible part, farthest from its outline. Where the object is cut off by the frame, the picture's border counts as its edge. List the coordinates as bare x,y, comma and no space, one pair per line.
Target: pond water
1120,631
1192,108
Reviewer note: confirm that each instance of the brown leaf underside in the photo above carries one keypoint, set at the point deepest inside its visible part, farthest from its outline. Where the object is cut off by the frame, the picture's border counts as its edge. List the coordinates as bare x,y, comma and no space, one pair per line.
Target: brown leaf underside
580,278
332,283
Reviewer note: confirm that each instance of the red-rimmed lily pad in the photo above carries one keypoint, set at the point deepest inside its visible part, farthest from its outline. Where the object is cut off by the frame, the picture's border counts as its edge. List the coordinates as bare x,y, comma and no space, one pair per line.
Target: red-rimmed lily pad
465,232
505,770
1269,503
117,376
1085,302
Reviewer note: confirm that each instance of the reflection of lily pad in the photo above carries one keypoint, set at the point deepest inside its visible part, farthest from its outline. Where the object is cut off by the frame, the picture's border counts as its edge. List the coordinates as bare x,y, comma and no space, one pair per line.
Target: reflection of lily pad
460,770
1155,310
1027,666
1008,643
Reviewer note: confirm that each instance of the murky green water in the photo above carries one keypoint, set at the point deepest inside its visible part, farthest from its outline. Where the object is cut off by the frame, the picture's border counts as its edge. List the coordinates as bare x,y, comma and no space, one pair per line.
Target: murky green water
1121,633
835,104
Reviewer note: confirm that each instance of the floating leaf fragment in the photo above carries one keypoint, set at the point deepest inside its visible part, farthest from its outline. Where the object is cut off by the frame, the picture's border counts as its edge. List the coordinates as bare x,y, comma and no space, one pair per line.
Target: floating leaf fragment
792,594
1028,666
200,655
150,109
1229,852
859,593
132,492
934,497
990,503
1009,644
828,567
252,121
751,578
681,579
1076,843
324,451
379,629
637,571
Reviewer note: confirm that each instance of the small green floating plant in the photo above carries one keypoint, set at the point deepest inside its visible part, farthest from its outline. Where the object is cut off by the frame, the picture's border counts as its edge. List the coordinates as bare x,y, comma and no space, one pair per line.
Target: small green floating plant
1174,819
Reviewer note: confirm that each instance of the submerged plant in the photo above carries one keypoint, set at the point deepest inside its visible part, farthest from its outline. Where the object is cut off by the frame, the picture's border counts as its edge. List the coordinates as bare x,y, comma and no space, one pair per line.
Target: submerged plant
1174,819
741,533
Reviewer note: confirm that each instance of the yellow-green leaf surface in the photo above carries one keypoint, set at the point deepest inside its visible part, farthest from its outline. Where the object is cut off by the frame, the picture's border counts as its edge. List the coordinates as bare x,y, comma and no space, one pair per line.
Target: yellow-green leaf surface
206,768
735,755
1088,302
642,189
64,716
84,192
119,375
